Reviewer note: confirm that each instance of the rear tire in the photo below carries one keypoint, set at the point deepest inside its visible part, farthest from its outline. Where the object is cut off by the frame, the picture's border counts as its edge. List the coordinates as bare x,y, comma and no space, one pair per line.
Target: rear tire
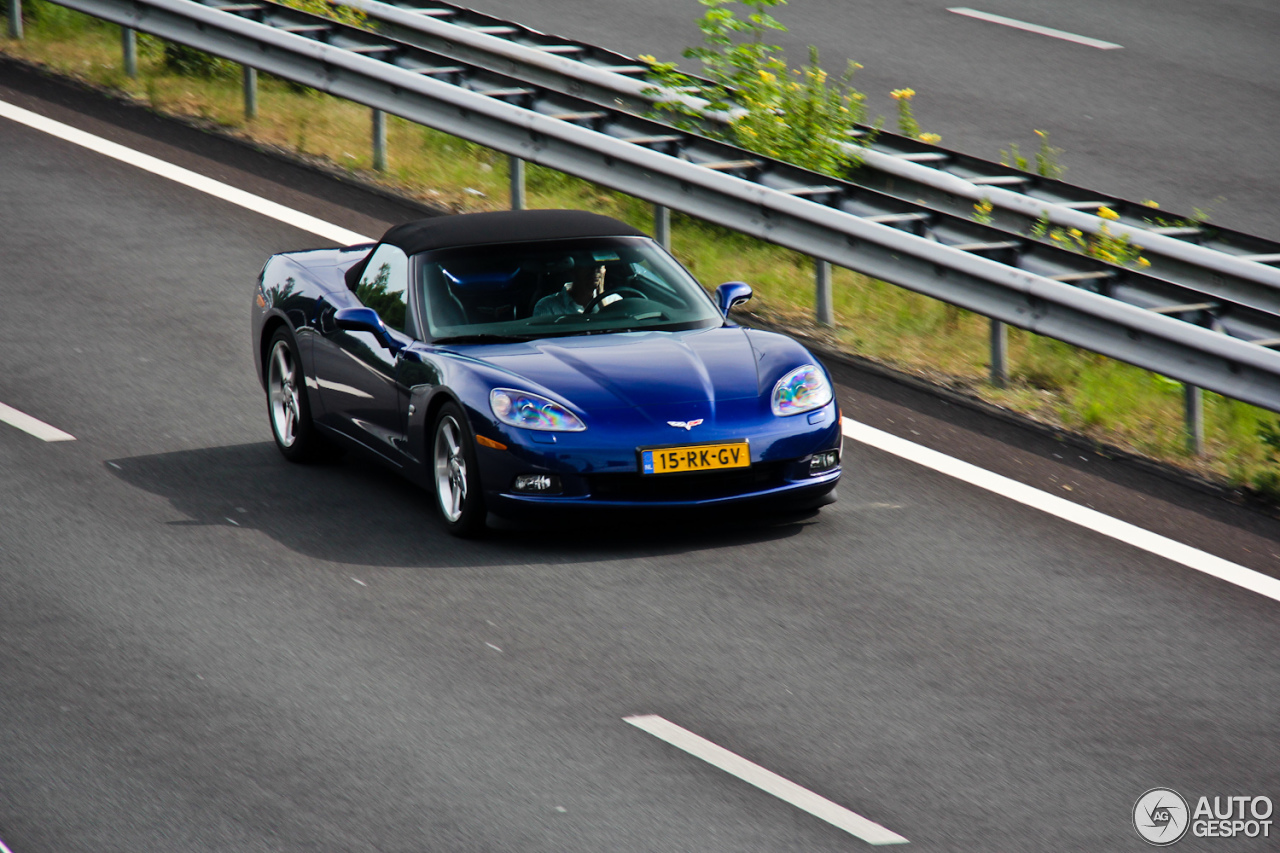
287,405
455,474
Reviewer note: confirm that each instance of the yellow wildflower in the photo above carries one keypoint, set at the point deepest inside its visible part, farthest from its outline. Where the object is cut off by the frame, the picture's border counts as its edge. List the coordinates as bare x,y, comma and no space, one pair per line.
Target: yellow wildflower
1076,232
1143,263
1151,203
1108,213
646,58
766,76
902,94
1042,134
930,138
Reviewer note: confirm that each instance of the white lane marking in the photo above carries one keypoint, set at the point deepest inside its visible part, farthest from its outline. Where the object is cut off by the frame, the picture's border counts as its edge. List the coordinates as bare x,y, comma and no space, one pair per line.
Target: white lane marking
4,849
1035,28
1153,543
195,181
28,424
1092,519
765,780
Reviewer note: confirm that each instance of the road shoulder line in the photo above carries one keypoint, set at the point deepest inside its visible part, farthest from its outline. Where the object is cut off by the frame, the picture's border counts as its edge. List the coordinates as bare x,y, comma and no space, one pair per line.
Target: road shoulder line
1083,516
186,177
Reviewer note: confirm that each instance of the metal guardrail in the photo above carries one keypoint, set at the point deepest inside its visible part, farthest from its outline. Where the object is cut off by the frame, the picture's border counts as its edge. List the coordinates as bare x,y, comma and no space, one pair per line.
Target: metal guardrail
749,194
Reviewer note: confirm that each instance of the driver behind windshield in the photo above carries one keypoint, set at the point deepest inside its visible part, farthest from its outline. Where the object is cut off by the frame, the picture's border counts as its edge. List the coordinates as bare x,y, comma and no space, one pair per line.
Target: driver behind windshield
587,283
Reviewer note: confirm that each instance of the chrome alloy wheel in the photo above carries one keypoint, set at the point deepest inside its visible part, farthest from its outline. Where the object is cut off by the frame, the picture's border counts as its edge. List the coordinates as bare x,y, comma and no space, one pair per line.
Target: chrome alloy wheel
451,469
282,386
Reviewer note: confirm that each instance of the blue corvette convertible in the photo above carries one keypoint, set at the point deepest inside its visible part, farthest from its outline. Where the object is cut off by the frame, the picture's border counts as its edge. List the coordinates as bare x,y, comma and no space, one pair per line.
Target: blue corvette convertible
539,360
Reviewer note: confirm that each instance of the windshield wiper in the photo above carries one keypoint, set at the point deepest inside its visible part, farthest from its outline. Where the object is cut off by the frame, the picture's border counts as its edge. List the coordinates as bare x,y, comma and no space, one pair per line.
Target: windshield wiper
481,339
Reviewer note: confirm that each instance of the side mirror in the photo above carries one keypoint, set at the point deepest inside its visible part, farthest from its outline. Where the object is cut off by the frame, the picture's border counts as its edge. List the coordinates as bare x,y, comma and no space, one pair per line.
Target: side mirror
364,320
731,294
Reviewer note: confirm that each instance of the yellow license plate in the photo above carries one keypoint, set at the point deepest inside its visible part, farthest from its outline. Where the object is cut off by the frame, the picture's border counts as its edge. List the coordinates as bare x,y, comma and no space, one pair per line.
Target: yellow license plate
695,457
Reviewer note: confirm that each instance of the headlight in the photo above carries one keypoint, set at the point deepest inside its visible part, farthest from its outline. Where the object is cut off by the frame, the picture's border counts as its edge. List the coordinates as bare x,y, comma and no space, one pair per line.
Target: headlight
802,390
531,411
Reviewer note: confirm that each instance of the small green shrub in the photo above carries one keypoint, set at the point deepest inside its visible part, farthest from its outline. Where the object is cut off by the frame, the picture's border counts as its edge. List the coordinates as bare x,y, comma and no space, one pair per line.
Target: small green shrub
800,115
907,124
1046,156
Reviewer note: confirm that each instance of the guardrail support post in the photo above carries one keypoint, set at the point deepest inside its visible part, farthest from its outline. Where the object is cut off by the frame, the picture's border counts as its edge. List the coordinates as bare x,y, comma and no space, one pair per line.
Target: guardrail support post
1193,403
15,19
822,292
250,93
517,182
999,354
129,45
662,226
379,141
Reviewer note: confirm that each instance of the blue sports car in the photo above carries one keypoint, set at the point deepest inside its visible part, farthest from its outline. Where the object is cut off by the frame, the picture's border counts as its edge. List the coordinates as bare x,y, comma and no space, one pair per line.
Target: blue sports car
539,360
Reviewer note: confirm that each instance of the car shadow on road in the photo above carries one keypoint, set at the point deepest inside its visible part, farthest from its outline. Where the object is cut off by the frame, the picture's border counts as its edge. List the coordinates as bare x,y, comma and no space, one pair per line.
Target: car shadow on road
353,511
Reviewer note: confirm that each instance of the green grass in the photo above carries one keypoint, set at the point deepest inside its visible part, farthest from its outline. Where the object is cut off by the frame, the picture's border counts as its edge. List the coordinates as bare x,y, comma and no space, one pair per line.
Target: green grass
1081,391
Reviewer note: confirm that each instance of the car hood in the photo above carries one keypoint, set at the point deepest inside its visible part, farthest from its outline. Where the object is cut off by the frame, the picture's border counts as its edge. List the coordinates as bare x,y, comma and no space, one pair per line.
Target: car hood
642,370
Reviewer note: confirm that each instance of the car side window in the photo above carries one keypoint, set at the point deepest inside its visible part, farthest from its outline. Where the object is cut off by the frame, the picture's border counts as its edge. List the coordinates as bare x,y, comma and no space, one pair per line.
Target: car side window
384,287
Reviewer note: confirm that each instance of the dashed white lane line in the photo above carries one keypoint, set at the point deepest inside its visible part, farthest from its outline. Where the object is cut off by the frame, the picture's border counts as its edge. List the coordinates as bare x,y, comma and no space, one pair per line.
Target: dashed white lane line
765,780
4,849
28,424
1035,28
196,181
1098,522
1092,519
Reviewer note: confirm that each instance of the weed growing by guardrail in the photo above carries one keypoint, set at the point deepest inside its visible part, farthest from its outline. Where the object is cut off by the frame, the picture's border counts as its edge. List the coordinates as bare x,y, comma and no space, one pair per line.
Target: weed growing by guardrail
907,124
801,115
1046,157
1104,245
983,212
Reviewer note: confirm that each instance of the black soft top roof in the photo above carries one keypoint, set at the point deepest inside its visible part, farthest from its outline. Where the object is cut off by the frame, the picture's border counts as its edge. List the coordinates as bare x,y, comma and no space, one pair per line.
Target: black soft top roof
507,226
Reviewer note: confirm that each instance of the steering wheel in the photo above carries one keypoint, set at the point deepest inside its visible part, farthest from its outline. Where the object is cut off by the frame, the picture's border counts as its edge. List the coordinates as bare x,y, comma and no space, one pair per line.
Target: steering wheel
595,301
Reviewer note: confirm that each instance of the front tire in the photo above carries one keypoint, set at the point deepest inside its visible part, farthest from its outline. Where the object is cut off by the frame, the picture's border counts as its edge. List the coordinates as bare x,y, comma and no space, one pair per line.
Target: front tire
456,475
287,405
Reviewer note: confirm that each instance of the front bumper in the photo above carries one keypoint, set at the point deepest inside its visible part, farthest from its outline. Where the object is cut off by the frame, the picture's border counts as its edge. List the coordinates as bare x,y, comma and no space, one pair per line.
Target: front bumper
608,477
797,495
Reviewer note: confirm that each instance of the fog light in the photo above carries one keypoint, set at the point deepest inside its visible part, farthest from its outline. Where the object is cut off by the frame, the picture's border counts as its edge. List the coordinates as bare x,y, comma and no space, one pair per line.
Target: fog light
542,484
824,461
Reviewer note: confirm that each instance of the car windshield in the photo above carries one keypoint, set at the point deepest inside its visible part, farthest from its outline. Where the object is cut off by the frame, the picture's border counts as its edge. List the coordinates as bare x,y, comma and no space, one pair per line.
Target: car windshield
519,291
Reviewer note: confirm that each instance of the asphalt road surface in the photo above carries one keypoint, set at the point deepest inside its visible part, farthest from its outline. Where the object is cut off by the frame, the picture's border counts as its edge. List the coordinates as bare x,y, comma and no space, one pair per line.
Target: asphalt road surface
1186,111
203,647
